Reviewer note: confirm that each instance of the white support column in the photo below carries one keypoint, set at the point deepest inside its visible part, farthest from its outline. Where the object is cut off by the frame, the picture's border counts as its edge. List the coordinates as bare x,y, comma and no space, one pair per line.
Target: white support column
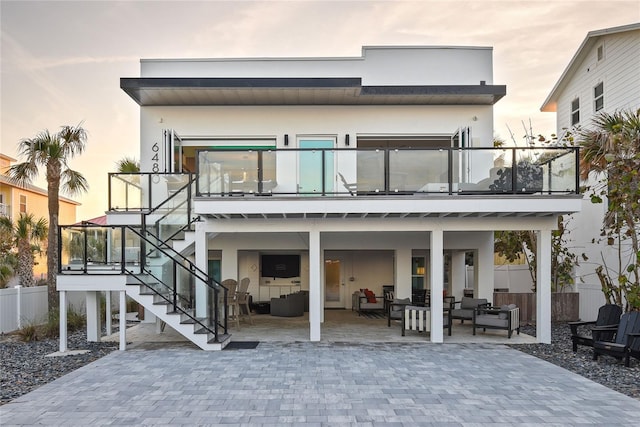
123,321
202,256
485,268
543,289
63,321
93,316
107,308
315,302
458,274
436,276
403,273
229,267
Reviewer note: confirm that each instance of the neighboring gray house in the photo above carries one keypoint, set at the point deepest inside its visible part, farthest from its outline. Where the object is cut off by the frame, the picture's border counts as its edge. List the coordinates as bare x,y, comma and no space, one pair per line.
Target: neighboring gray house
603,75
325,175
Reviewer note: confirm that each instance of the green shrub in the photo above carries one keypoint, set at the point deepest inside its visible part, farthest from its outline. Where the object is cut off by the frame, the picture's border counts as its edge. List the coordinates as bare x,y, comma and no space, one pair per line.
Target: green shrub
51,329
75,321
28,333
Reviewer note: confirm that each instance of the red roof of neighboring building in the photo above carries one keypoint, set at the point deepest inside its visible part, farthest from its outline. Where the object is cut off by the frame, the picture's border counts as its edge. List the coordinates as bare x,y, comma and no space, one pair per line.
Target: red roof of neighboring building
100,220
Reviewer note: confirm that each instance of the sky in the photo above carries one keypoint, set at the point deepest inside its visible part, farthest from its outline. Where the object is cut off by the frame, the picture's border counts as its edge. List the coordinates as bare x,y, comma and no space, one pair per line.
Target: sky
61,61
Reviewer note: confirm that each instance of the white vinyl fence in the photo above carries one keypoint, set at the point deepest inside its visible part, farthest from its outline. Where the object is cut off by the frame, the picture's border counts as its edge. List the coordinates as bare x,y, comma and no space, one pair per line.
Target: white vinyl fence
591,298
20,306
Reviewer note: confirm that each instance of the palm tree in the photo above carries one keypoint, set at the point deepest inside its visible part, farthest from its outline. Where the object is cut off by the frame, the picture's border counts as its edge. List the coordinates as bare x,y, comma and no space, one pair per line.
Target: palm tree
27,234
611,148
128,165
52,151
7,257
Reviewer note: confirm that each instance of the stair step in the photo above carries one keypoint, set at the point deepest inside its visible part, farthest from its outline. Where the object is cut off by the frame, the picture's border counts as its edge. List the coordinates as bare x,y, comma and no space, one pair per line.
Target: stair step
190,321
221,338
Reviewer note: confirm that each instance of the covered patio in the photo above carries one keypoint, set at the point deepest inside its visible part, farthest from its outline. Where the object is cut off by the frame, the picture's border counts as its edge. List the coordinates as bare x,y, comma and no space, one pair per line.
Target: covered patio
343,326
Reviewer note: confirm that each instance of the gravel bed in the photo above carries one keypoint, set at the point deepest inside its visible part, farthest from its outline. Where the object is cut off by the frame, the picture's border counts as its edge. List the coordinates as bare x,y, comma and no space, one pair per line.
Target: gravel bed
607,370
24,367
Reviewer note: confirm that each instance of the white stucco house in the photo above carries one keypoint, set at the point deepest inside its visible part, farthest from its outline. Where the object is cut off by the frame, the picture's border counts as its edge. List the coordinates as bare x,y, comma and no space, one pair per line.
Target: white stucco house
602,76
325,175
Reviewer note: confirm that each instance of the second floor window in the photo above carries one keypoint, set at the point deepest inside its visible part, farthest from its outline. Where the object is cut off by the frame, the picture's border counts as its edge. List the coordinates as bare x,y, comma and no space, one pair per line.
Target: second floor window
575,111
598,97
23,204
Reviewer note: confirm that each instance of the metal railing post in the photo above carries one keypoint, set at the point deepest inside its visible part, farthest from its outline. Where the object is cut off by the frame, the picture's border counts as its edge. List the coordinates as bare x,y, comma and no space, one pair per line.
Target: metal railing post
514,171
577,170
123,248
450,169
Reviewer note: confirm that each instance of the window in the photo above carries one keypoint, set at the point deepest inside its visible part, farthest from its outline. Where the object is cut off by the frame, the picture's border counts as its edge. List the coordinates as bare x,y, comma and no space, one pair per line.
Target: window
575,111
600,53
598,97
23,203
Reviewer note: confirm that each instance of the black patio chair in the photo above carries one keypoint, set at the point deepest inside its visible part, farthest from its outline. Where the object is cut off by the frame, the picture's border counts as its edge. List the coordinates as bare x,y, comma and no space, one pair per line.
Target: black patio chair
625,335
608,315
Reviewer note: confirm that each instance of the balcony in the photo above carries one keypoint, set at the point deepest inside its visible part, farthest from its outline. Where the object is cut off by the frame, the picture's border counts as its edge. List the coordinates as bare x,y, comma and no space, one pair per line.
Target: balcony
359,172
310,176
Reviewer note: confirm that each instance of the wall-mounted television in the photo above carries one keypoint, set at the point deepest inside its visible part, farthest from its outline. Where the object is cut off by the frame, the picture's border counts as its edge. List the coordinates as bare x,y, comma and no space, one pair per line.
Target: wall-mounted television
280,266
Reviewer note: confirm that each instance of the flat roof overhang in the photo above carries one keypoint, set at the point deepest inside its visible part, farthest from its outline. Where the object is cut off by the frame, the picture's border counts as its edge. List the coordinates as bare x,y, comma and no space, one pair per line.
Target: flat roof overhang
300,91
380,207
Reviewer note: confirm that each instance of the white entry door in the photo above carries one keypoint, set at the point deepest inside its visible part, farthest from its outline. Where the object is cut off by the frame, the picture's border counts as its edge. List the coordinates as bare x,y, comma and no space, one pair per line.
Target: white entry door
333,283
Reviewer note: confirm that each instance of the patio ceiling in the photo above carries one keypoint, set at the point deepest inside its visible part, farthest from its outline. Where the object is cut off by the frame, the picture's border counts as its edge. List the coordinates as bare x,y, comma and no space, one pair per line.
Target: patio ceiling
300,91
260,208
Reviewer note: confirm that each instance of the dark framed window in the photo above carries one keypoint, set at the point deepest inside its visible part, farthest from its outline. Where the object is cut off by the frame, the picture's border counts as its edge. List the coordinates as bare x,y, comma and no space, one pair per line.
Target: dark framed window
575,111
598,96
23,203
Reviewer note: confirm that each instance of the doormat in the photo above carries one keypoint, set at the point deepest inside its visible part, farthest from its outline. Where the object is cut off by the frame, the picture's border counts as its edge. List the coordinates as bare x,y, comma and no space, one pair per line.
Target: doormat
242,345
373,314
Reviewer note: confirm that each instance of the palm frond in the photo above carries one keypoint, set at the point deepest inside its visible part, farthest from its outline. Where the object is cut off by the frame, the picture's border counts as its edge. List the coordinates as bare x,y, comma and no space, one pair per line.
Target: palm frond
22,174
72,140
128,165
73,182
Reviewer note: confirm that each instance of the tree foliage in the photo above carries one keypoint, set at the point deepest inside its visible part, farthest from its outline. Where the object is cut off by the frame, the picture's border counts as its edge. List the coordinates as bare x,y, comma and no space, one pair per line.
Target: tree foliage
53,153
128,165
610,155
514,245
26,236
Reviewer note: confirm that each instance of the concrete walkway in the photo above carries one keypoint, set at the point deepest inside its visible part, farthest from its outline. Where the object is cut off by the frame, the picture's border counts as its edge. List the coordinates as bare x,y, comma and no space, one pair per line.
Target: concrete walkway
332,384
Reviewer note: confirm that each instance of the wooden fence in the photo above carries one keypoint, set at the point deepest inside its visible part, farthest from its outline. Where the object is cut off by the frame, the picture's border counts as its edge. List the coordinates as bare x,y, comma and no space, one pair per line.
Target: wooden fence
565,306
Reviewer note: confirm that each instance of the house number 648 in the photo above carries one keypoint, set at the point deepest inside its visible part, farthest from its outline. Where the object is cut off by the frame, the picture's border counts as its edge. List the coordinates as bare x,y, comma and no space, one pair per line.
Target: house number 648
155,166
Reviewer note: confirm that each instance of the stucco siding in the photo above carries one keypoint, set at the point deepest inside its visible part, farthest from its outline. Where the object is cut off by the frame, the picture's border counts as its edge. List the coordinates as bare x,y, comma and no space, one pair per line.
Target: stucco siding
415,65
276,121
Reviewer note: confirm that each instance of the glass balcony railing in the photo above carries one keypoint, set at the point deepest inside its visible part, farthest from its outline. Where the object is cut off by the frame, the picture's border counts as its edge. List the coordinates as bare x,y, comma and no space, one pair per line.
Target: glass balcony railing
335,172
145,191
349,172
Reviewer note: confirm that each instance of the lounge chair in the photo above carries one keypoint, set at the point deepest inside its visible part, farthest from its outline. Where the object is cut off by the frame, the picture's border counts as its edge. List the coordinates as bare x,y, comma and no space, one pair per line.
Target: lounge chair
608,315
624,336
505,317
351,187
395,309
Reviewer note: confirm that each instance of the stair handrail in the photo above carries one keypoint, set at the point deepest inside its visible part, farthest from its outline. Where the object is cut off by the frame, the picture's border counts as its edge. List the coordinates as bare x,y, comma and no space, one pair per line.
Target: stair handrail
192,266
192,179
195,272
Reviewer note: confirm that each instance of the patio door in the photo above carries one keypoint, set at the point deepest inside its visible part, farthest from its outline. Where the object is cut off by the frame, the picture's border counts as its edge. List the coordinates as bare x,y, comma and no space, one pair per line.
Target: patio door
315,172
334,287
172,152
